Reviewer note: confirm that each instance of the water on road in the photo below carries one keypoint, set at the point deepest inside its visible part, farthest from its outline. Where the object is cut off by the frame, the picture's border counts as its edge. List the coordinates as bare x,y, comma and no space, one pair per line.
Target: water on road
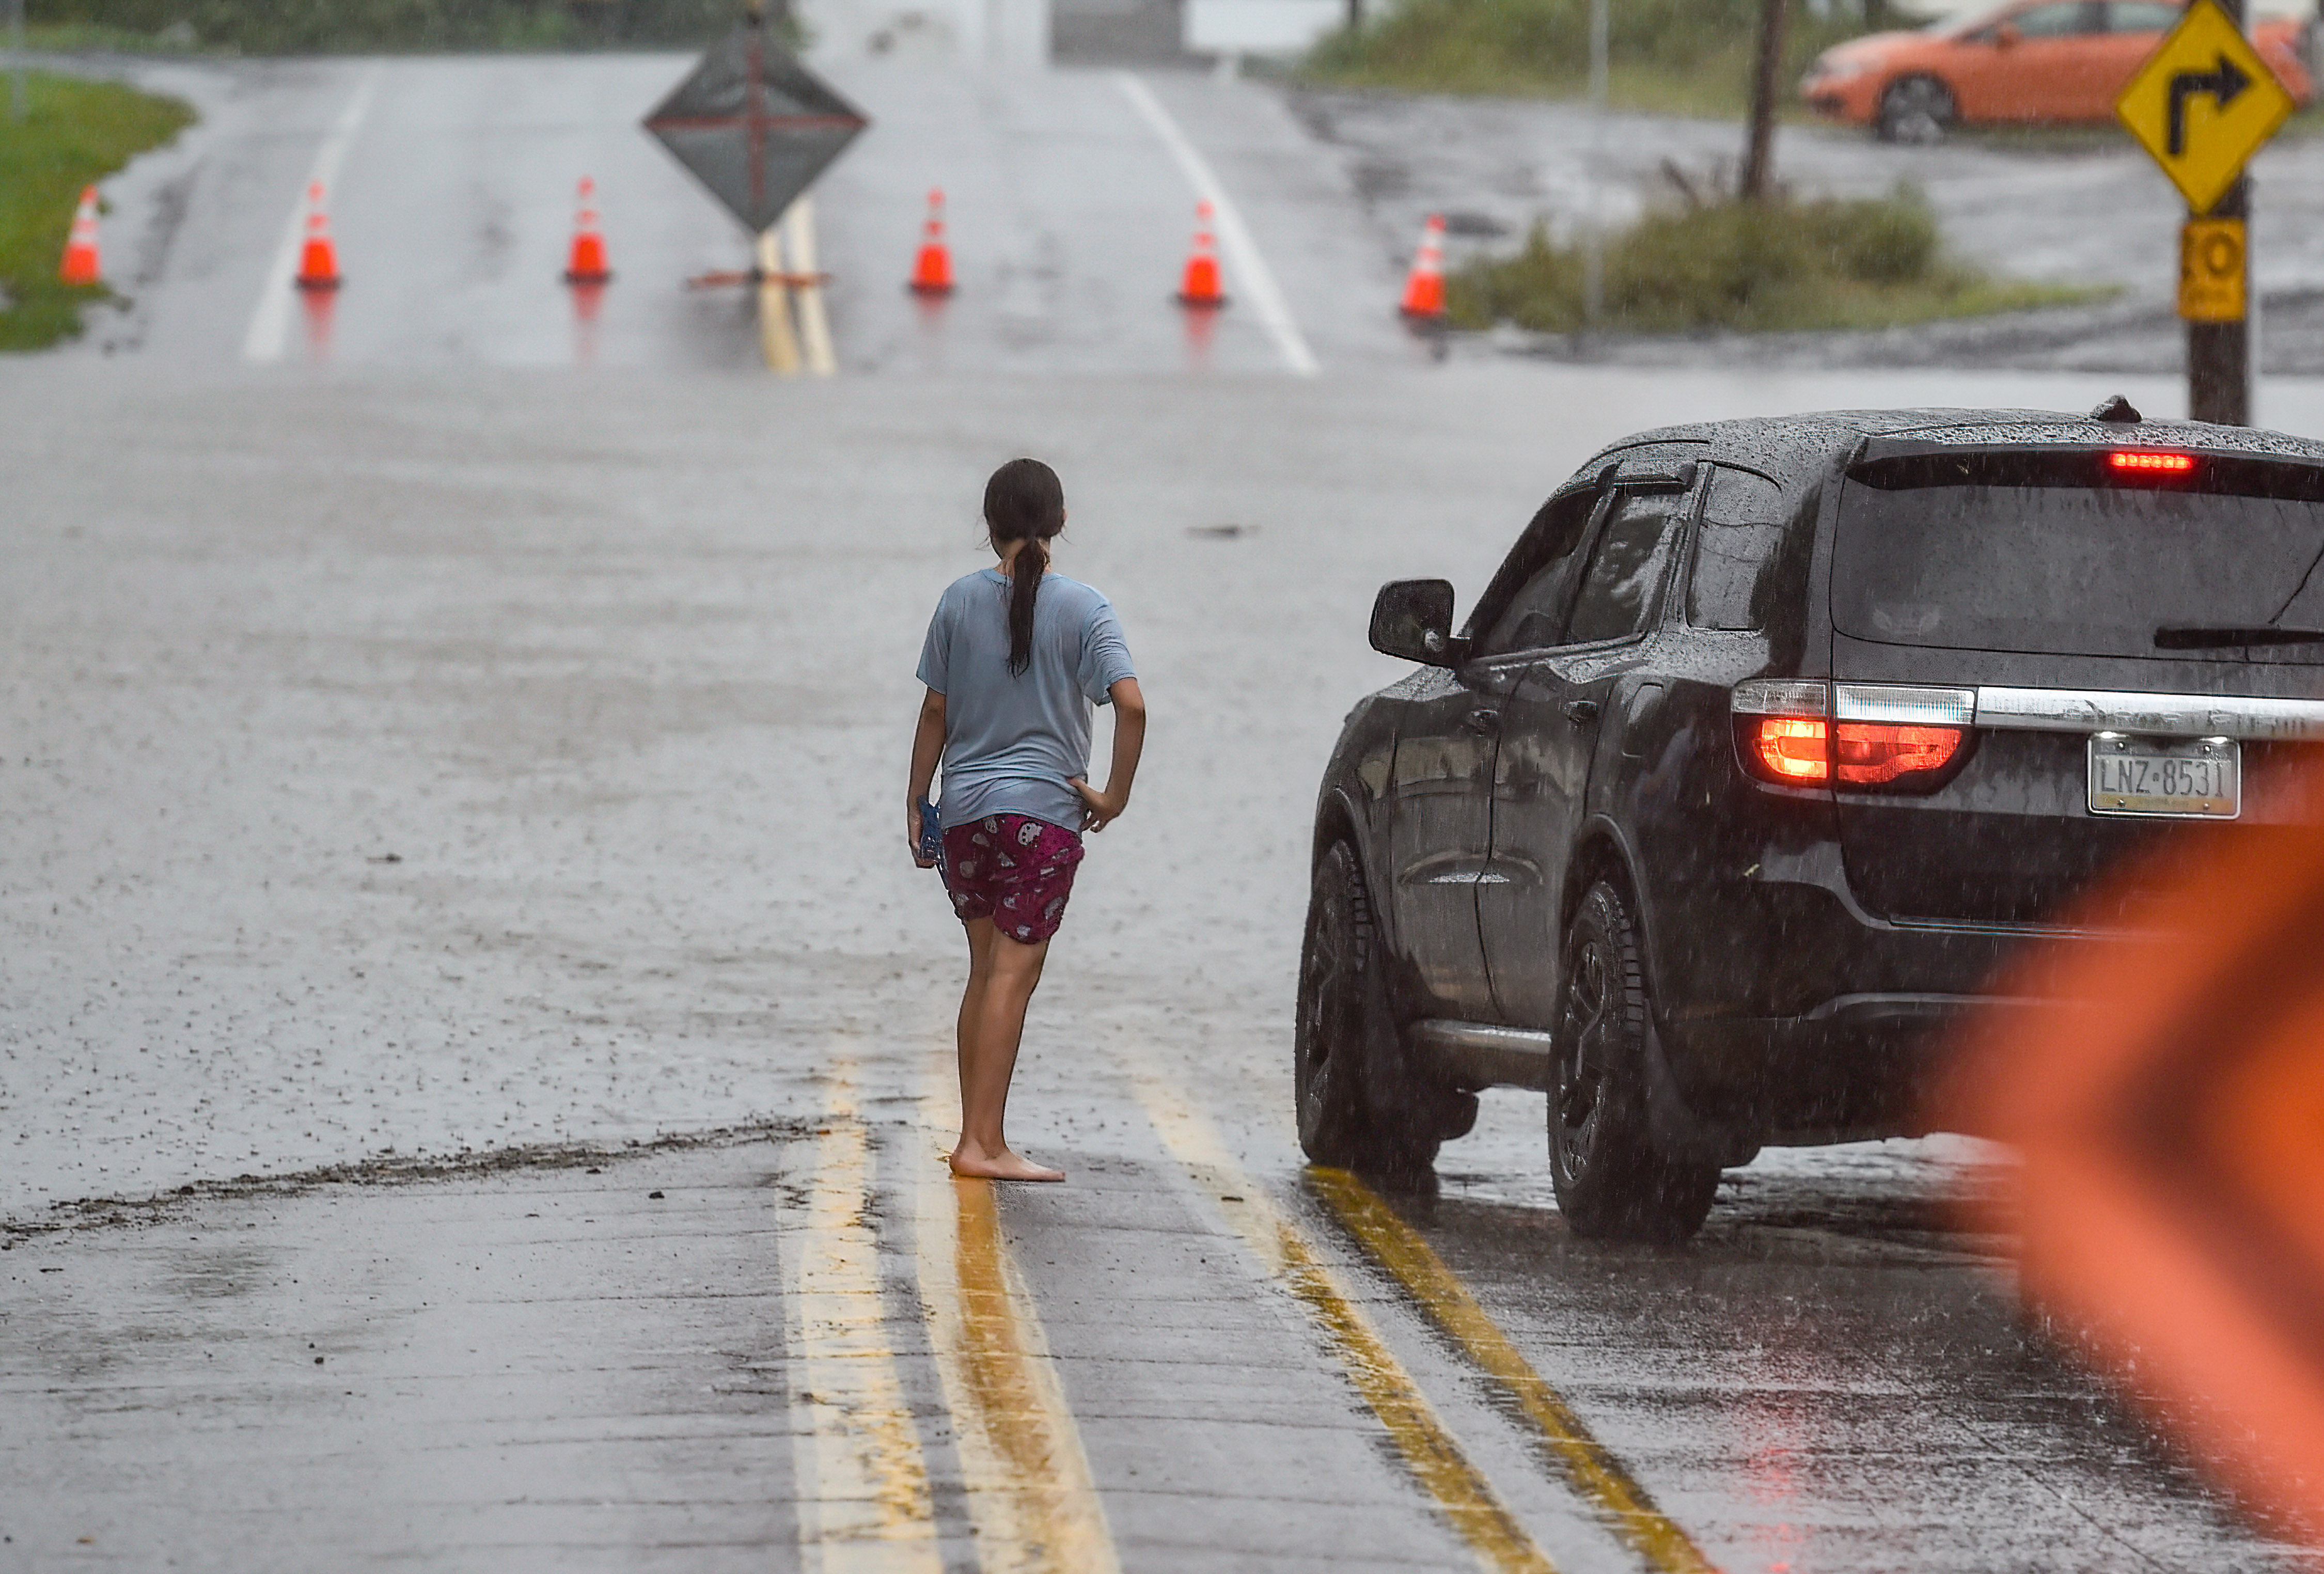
476,1050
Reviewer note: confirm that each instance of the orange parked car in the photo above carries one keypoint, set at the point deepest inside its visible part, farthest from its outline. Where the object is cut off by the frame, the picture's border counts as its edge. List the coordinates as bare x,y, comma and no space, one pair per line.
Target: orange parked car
2033,60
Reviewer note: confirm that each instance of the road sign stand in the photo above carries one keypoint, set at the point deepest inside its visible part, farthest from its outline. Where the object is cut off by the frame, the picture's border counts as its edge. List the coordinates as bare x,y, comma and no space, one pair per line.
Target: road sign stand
756,127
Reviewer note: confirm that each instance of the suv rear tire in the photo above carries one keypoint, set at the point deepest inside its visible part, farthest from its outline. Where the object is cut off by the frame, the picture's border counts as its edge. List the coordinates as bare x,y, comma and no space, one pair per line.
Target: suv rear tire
1361,1105
1611,1182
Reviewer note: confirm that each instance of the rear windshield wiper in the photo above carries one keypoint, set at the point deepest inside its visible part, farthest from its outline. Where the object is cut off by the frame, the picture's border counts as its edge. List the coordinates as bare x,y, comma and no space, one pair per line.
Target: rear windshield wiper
2207,637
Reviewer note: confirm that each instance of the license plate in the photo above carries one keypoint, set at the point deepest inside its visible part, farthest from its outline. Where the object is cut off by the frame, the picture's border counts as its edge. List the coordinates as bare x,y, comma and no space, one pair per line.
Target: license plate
2198,778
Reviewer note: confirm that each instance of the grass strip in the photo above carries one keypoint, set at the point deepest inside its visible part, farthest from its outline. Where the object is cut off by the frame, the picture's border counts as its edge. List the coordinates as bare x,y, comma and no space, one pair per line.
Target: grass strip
1781,265
278,27
75,132
1679,57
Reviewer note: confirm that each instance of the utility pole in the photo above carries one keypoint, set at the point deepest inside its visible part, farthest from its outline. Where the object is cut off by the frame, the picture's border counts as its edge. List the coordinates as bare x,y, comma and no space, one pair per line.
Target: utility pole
1593,250
1759,145
2218,353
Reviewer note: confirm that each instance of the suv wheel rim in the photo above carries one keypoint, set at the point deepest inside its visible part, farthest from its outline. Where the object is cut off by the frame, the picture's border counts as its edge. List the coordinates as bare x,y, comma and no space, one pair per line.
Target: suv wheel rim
1582,1059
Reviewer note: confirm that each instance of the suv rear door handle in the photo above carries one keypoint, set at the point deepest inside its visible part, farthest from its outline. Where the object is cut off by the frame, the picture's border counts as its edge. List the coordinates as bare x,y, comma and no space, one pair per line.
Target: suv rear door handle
1581,713
1483,720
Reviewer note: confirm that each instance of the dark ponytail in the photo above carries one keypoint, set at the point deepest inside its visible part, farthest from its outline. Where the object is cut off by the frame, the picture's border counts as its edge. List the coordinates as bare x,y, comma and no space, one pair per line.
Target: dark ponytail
1024,502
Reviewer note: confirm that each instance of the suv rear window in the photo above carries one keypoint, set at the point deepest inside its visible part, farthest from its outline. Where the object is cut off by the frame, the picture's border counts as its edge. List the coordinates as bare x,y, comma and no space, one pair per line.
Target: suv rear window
2049,552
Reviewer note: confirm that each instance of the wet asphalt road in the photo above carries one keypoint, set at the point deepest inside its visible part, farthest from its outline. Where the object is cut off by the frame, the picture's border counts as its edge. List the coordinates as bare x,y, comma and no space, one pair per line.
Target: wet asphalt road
451,202
431,750
418,763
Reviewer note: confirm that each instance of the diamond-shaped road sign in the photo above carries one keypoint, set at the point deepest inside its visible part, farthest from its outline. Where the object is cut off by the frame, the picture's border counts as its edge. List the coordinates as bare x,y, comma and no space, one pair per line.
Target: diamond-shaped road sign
2169,1113
2202,104
754,125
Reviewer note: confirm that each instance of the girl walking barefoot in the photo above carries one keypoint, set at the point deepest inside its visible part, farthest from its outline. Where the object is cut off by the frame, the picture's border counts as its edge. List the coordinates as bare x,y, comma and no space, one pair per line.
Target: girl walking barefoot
1015,658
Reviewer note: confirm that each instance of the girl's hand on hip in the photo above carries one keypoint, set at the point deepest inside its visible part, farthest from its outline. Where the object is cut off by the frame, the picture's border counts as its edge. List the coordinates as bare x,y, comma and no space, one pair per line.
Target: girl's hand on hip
1098,809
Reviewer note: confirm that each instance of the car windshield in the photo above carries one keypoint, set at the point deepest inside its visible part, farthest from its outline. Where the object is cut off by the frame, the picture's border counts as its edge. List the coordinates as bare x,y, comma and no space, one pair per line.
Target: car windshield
2036,554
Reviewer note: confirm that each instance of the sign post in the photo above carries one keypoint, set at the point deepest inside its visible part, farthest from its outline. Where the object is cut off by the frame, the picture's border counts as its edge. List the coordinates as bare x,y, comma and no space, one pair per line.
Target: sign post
2201,105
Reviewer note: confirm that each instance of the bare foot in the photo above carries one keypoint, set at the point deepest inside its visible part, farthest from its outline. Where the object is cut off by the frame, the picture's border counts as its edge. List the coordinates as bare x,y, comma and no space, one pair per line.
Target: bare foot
978,1164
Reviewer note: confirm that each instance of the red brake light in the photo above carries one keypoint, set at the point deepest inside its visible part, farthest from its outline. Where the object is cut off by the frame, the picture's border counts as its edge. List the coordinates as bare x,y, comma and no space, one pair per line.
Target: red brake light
1869,753
2135,463
1809,732
1791,750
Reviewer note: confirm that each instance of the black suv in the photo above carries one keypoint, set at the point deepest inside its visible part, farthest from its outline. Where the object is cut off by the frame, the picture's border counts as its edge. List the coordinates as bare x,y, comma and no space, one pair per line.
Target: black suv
1767,744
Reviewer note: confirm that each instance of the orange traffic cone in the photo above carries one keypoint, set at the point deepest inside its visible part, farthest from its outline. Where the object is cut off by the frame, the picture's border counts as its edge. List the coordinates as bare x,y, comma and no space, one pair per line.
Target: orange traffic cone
318,263
1200,286
80,265
1424,288
932,269
587,264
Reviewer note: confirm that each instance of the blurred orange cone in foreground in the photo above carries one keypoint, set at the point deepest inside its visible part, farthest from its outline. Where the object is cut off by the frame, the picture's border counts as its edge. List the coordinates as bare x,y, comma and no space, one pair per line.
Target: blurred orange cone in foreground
932,269
587,264
318,260
1424,288
1200,285
80,264
2169,1109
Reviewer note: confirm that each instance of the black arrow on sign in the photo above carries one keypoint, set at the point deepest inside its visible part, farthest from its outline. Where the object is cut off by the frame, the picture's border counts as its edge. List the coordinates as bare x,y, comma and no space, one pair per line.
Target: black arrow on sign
2225,85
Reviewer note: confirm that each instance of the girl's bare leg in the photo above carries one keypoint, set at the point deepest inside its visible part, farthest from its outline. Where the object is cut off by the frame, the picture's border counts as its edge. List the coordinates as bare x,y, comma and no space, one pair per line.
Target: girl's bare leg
1002,974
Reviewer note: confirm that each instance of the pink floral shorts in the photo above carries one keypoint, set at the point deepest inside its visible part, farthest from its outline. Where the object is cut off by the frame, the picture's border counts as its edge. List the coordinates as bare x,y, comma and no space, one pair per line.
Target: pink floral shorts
1014,870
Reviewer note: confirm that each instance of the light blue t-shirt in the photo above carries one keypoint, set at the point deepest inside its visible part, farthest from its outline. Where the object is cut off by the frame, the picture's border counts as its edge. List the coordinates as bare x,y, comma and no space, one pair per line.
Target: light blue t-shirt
1012,741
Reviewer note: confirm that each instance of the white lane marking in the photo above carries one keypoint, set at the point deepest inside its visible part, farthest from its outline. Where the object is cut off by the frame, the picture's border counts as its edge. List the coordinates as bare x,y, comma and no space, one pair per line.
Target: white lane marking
1249,269
269,323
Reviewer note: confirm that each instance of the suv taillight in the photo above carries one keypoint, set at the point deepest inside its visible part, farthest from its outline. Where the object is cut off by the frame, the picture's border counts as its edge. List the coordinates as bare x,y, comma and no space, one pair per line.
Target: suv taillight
1783,729
1802,733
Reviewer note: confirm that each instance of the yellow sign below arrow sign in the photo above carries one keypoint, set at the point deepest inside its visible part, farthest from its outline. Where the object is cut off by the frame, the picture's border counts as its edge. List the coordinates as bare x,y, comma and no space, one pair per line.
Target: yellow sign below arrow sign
2203,103
2211,270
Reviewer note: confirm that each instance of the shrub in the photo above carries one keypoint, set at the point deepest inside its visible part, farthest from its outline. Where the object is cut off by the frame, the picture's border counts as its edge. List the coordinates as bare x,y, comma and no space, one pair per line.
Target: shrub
1780,263
315,26
1888,242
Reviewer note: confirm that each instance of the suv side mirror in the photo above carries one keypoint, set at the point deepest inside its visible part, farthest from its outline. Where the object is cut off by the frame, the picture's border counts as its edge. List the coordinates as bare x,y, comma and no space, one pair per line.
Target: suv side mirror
1412,619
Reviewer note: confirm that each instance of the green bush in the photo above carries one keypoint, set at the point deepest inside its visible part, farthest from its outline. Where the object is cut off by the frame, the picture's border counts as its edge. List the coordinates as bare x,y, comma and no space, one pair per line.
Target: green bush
1781,264
319,26
74,133
1893,242
1691,55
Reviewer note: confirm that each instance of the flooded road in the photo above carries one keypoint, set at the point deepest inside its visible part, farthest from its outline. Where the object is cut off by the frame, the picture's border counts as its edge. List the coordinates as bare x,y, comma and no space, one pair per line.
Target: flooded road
410,770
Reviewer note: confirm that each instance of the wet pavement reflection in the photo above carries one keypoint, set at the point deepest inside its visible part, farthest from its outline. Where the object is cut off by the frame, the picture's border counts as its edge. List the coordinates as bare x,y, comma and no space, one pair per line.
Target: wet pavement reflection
1831,1375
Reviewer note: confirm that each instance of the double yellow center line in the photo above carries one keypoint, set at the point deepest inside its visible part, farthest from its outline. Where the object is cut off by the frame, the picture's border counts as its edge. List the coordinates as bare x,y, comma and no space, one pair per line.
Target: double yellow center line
1591,1471
1030,1492
865,1504
1459,1491
1035,1507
